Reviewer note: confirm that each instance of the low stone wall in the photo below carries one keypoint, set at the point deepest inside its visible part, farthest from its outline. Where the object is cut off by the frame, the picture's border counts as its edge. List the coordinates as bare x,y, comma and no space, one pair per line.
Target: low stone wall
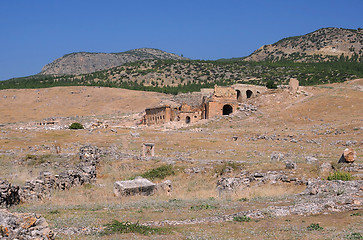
9,194
40,188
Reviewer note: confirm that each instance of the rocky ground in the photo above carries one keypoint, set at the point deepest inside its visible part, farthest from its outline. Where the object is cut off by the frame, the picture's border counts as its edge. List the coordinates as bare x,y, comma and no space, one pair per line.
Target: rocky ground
259,173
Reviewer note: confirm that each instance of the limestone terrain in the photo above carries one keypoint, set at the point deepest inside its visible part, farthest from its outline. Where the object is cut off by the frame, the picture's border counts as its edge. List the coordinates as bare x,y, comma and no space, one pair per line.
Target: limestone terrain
319,45
267,162
86,62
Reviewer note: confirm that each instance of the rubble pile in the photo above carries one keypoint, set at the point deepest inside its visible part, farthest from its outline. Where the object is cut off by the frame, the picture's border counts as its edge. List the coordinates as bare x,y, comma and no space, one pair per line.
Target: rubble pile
25,226
225,185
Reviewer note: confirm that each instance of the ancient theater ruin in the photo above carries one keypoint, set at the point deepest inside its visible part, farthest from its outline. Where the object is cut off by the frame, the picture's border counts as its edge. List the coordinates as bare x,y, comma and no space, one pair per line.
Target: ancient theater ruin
206,104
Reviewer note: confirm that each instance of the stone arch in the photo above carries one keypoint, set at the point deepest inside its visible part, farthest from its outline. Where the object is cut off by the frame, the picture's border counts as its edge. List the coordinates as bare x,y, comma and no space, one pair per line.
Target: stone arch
249,93
227,109
187,119
239,95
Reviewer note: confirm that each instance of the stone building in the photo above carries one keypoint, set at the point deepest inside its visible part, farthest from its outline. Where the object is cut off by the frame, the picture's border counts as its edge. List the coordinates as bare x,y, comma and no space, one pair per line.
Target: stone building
158,115
206,104
222,102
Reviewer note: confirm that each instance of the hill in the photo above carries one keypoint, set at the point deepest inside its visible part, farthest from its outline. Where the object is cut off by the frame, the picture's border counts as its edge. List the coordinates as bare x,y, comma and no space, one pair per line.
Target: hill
86,62
173,76
325,44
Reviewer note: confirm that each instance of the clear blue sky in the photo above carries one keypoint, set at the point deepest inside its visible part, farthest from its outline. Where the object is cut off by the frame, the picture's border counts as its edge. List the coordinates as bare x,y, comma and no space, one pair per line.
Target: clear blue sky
36,32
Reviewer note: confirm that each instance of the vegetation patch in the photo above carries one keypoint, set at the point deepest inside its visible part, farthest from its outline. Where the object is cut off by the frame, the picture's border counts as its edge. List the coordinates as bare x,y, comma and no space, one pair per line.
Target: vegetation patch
128,227
243,199
227,167
338,175
35,160
202,206
54,212
356,214
354,236
76,125
158,173
241,219
314,227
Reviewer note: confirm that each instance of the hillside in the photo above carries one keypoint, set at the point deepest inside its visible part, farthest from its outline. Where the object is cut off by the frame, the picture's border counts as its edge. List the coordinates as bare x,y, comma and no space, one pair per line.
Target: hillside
173,76
37,104
86,62
321,45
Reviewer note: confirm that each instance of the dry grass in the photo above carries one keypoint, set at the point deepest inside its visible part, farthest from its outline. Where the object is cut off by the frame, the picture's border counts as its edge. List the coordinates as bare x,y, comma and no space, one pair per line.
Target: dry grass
209,144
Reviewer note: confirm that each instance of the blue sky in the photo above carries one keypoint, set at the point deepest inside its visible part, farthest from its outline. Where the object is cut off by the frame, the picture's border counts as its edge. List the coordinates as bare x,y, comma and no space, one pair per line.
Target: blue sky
34,33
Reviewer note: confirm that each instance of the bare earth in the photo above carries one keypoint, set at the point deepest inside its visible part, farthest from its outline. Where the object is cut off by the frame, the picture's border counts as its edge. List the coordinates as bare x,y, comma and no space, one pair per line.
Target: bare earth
319,122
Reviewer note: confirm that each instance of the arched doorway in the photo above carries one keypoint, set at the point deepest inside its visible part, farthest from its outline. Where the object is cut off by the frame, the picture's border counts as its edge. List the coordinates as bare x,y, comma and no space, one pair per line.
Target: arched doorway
227,109
239,97
187,119
249,93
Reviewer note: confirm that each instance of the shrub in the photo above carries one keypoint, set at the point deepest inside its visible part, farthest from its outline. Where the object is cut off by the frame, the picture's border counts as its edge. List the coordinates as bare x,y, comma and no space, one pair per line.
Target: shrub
127,227
76,125
338,175
242,219
271,84
356,214
160,172
314,227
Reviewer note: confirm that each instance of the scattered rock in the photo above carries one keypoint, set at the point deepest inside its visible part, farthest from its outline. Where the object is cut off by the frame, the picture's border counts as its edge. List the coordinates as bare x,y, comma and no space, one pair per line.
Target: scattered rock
248,108
311,160
165,187
136,135
350,143
354,167
290,165
23,226
348,156
276,156
227,185
332,188
194,170
325,168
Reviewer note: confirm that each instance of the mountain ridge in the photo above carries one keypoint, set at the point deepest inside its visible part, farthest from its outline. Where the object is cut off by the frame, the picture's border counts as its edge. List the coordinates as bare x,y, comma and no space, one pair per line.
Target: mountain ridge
88,62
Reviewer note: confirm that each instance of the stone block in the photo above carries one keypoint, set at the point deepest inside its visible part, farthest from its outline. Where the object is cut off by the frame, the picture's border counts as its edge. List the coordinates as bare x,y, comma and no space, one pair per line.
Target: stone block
139,185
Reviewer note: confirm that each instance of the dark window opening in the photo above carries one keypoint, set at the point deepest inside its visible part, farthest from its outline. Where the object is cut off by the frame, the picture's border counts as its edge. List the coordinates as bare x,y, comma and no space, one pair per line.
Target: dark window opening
187,119
249,93
227,109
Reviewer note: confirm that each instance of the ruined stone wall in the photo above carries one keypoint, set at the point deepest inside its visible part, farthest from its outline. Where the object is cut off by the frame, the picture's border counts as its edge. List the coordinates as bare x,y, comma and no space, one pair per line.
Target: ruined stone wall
215,108
224,93
192,116
40,188
245,91
158,115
